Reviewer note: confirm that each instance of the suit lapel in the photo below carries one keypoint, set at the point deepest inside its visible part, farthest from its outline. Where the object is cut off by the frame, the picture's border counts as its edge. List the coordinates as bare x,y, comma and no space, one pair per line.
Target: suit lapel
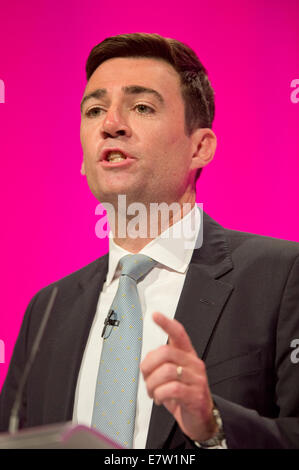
202,301
74,325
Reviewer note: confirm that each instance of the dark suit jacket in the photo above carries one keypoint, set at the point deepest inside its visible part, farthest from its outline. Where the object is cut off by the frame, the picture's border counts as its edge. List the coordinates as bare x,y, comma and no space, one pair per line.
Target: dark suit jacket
240,307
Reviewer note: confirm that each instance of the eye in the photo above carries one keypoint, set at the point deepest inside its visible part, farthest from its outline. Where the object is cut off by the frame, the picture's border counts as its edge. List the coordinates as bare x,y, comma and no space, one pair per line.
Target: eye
144,109
94,112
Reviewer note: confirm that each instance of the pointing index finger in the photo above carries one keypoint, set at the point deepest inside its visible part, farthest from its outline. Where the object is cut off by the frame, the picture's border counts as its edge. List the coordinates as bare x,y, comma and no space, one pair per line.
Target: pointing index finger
175,330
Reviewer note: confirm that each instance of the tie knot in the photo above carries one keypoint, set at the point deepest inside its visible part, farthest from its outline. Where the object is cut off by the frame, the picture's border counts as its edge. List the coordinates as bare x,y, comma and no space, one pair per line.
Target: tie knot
136,266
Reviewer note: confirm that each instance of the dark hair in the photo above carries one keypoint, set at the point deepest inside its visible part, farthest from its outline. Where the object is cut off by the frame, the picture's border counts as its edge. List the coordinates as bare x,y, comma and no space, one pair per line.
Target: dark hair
197,92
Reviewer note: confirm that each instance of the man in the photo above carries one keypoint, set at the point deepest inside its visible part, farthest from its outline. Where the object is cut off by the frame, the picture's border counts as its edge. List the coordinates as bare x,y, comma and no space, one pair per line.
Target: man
215,360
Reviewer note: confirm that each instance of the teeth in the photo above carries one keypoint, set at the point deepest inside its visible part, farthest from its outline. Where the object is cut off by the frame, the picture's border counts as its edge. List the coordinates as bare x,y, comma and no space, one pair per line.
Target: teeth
115,157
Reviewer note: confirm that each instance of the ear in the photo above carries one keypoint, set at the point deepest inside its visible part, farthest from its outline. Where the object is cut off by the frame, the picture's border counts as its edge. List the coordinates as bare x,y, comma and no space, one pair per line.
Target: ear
204,143
82,171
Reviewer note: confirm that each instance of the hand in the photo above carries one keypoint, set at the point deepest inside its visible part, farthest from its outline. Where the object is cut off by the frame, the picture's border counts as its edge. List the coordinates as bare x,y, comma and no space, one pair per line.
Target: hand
187,396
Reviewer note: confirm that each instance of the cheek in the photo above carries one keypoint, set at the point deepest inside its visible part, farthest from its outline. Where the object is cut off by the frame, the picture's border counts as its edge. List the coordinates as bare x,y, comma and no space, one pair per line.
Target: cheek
173,134
83,139
175,151
87,137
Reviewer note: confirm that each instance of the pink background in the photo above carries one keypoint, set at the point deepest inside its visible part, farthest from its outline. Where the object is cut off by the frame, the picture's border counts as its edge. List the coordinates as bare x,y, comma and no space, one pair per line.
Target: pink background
250,49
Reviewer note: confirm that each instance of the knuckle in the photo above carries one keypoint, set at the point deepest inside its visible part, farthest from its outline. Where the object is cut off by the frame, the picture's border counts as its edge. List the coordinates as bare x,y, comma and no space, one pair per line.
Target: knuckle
164,350
144,368
150,392
200,365
200,381
176,389
168,370
149,388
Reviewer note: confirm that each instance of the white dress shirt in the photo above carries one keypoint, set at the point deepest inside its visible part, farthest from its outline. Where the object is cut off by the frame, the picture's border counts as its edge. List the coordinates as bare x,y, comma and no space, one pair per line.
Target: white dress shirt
159,290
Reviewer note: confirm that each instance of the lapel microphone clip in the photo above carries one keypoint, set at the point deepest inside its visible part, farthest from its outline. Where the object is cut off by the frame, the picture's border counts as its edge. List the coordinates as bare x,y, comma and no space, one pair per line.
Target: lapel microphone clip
109,321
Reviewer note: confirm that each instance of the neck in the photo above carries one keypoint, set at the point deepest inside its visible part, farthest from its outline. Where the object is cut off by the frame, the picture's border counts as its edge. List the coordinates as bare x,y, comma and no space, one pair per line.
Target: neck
134,232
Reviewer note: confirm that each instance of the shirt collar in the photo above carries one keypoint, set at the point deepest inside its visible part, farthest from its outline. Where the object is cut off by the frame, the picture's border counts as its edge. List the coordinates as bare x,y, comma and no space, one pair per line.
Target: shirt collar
173,248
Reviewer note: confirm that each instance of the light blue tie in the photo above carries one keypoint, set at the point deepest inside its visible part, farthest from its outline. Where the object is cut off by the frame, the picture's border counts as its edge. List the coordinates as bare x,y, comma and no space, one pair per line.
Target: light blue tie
116,390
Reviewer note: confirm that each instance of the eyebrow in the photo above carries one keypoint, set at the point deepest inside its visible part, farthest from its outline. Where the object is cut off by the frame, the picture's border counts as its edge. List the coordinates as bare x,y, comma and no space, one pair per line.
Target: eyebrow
127,90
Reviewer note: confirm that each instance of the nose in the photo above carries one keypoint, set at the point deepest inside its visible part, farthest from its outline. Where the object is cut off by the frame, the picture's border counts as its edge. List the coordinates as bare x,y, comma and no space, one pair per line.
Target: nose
115,125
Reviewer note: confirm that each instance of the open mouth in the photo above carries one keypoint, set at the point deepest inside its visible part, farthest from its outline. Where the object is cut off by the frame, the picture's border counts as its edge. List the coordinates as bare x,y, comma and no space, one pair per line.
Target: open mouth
115,156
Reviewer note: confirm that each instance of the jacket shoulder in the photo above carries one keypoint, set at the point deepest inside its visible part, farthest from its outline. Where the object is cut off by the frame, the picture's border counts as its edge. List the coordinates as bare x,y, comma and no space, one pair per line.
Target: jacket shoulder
260,244
244,245
81,276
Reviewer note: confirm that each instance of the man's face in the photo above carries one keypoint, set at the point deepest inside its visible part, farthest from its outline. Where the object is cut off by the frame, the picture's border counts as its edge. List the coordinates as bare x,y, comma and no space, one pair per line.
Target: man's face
136,108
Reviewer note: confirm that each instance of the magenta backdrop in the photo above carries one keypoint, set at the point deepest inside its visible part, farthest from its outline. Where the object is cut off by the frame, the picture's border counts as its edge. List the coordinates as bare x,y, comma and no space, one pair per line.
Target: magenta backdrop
250,49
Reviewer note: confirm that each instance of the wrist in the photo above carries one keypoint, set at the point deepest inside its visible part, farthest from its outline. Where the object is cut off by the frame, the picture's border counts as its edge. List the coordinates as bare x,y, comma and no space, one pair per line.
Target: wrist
217,438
